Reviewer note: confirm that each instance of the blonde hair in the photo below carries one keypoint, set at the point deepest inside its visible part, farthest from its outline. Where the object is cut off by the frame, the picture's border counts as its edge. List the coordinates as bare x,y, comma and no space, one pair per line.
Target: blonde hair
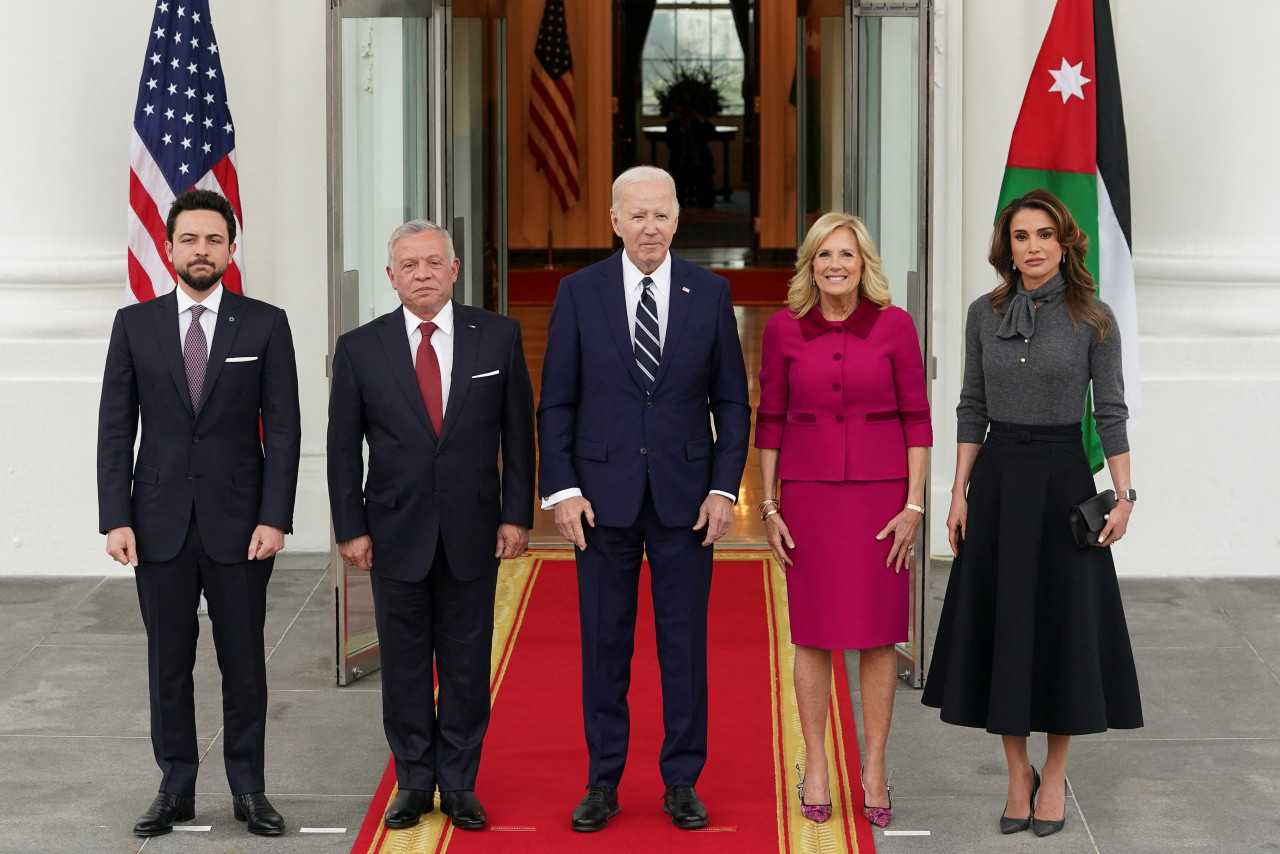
802,295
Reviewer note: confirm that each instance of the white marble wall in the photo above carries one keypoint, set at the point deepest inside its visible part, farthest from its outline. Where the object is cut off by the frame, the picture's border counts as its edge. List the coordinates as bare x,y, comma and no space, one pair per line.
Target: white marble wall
1204,177
1201,134
69,100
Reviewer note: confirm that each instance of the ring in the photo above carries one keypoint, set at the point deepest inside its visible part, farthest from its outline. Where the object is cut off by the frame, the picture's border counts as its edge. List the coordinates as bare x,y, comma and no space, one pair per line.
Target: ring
911,548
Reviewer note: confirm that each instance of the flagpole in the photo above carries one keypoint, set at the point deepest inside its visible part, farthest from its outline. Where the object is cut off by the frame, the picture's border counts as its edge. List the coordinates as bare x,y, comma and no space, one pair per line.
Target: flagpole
551,261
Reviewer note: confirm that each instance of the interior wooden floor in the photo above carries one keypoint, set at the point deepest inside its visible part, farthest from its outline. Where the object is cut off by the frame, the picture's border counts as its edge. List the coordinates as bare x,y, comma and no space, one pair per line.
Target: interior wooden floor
747,530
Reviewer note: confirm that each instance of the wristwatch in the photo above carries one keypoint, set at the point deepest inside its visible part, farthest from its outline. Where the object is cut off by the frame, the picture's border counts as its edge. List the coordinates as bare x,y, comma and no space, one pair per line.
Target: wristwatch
1128,495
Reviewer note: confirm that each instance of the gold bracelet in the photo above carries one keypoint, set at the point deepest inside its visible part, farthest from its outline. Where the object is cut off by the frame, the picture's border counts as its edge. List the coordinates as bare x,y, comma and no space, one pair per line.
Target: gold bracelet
772,512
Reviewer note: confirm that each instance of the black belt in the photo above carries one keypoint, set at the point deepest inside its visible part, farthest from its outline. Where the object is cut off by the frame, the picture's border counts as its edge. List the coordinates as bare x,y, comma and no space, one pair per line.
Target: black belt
1035,433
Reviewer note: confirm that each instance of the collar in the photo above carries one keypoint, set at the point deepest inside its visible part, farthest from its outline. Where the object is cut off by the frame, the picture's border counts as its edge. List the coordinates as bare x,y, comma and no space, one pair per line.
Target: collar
211,303
443,319
859,322
631,276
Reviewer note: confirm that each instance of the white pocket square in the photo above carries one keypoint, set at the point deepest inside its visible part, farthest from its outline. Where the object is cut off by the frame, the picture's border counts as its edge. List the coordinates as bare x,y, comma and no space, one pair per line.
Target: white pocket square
481,376
242,358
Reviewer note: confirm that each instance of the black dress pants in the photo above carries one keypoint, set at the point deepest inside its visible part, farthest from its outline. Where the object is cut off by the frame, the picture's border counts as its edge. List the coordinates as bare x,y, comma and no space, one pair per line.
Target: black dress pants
169,594
448,622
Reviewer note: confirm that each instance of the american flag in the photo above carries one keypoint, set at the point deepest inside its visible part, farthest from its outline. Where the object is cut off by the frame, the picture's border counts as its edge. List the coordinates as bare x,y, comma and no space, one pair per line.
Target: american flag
552,129
182,138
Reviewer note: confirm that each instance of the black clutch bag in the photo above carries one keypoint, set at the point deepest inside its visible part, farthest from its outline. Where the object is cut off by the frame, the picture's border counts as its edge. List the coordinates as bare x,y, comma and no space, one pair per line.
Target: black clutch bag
1088,518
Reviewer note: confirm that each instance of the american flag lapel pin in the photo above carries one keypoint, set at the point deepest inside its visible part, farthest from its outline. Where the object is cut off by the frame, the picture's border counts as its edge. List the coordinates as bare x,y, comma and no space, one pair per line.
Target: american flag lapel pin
686,290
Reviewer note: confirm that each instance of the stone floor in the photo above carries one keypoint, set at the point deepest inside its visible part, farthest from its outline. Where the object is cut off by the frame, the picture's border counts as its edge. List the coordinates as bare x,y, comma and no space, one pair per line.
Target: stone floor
1204,775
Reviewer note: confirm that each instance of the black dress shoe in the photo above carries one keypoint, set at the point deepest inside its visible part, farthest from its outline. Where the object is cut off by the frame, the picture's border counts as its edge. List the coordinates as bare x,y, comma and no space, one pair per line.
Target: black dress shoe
1016,825
464,809
682,804
256,811
163,812
408,808
600,805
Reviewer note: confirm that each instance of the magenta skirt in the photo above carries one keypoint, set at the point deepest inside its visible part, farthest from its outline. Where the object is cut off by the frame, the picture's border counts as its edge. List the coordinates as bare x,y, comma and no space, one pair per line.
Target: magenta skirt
840,594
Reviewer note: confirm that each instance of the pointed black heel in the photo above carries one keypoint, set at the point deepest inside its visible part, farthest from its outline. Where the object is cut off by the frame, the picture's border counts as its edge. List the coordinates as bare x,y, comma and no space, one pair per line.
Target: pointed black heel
1016,825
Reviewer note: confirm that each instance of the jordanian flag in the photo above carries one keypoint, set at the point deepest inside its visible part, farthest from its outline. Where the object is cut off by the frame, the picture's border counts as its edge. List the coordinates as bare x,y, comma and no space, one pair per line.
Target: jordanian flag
1070,140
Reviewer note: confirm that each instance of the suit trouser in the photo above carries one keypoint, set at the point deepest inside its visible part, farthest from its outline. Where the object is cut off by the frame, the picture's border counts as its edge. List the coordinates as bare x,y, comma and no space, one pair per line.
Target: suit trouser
449,621
169,594
608,588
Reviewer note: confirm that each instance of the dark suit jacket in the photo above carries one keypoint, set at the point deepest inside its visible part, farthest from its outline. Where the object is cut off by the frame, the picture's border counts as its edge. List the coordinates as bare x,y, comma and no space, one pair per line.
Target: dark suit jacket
597,428
235,475
421,487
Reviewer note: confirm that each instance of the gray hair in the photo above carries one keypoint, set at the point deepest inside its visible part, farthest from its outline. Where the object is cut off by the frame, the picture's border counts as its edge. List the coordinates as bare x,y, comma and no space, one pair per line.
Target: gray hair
645,175
417,226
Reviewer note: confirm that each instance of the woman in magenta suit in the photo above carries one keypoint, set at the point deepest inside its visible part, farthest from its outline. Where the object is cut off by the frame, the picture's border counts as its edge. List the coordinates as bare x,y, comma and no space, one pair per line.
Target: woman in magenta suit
844,424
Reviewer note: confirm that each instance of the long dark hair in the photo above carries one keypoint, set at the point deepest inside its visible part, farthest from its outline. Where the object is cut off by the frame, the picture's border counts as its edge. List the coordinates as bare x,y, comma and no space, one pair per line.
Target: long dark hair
1075,245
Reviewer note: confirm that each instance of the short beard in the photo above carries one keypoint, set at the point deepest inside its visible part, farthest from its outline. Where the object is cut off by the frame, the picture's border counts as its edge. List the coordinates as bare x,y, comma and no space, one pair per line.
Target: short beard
200,284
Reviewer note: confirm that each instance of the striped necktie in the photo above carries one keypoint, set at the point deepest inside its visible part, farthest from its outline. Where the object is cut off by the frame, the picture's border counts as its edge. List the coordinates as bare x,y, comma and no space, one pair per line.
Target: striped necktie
648,348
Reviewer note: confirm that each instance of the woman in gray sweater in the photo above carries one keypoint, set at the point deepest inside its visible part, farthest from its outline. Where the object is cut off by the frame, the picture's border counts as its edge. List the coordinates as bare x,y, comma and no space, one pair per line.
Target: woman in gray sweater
1032,636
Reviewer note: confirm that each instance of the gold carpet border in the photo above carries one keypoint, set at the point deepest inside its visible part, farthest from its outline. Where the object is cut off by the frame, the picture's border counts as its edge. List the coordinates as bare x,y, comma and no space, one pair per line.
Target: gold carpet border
795,833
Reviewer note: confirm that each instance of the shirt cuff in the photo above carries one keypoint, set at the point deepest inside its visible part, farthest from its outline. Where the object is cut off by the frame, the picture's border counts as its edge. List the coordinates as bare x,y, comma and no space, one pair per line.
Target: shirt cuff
556,497
731,497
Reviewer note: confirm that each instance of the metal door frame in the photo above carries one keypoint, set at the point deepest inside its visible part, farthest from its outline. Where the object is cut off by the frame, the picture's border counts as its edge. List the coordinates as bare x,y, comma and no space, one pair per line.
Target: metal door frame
349,667
912,654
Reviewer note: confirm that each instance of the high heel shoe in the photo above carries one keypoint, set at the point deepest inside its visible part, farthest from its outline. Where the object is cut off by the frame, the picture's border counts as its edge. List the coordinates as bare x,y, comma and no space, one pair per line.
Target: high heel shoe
1014,825
817,813
879,816
1044,827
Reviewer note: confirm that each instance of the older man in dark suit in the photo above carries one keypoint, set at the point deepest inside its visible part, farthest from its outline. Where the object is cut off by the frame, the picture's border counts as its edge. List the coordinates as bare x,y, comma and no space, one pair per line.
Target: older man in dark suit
440,391
643,428
206,506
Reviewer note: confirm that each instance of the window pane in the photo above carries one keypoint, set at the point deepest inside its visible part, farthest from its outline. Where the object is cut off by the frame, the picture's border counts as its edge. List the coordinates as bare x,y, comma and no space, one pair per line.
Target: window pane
660,43
728,75
693,34
724,36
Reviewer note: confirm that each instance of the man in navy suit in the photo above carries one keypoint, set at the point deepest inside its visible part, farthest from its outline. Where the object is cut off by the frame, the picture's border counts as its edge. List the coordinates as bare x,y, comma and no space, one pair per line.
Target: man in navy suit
440,391
643,428
207,503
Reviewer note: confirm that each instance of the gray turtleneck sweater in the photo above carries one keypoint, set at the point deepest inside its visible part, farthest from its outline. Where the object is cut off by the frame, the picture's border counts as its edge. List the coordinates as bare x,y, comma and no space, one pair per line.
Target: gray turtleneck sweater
1041,379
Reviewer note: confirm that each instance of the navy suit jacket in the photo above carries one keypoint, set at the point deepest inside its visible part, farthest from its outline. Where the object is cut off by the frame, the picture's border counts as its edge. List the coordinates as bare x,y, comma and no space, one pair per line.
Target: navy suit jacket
600,432
235,463
421,487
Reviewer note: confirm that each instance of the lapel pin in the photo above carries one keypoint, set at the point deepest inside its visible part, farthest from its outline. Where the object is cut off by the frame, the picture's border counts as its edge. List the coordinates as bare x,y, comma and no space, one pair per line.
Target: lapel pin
471,326
231,320
686,290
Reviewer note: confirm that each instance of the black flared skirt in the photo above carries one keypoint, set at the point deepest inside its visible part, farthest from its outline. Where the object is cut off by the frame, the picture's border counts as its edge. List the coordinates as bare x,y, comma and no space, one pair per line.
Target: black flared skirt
1032,636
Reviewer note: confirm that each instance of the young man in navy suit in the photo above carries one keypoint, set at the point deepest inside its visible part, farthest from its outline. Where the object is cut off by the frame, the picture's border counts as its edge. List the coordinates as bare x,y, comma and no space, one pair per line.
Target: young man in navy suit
643,428
207,503
440,391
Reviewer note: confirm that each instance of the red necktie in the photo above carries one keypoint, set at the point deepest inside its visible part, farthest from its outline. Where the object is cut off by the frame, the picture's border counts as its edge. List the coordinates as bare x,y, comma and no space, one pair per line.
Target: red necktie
427,367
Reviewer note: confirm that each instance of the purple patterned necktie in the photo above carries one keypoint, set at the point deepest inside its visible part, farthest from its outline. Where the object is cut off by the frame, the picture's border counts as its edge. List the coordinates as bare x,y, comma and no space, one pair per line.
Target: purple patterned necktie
195,352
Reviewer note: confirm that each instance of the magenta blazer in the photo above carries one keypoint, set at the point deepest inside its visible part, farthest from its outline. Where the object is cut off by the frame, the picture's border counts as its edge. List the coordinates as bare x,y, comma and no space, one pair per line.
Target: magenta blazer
843,401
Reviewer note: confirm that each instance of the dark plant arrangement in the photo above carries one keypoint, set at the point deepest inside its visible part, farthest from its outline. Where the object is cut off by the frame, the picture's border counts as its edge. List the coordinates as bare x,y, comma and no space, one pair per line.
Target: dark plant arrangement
691,85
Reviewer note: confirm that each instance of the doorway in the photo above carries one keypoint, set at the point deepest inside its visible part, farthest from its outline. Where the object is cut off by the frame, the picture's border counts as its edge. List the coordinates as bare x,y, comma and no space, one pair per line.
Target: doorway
823,104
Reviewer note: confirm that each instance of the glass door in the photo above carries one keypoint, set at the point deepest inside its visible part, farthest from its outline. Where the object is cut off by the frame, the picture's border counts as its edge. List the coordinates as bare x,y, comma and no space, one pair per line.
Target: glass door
386,68
861,98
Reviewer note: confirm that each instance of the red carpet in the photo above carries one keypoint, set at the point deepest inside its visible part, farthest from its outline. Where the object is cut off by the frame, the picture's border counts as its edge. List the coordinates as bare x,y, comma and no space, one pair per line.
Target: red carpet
535,763
749,287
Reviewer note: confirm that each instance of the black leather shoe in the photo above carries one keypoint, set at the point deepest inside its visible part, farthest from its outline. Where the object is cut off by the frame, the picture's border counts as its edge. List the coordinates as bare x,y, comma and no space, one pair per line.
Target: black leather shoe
408,808
600,805
682,804
463,809
256,811
163,812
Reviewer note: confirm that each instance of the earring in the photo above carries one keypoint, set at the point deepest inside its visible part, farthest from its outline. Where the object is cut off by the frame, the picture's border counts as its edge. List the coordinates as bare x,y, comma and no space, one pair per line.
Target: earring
813,283
1064,258
1013,264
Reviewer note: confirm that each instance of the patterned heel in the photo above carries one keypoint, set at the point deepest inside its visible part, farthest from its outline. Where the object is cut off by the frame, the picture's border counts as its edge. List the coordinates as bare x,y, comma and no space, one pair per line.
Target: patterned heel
1017,825
817,813
879,816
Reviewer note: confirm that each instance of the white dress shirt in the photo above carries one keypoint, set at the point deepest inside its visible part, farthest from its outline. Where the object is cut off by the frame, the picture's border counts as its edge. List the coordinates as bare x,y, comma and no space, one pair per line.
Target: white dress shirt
208,320
441,342
632,290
